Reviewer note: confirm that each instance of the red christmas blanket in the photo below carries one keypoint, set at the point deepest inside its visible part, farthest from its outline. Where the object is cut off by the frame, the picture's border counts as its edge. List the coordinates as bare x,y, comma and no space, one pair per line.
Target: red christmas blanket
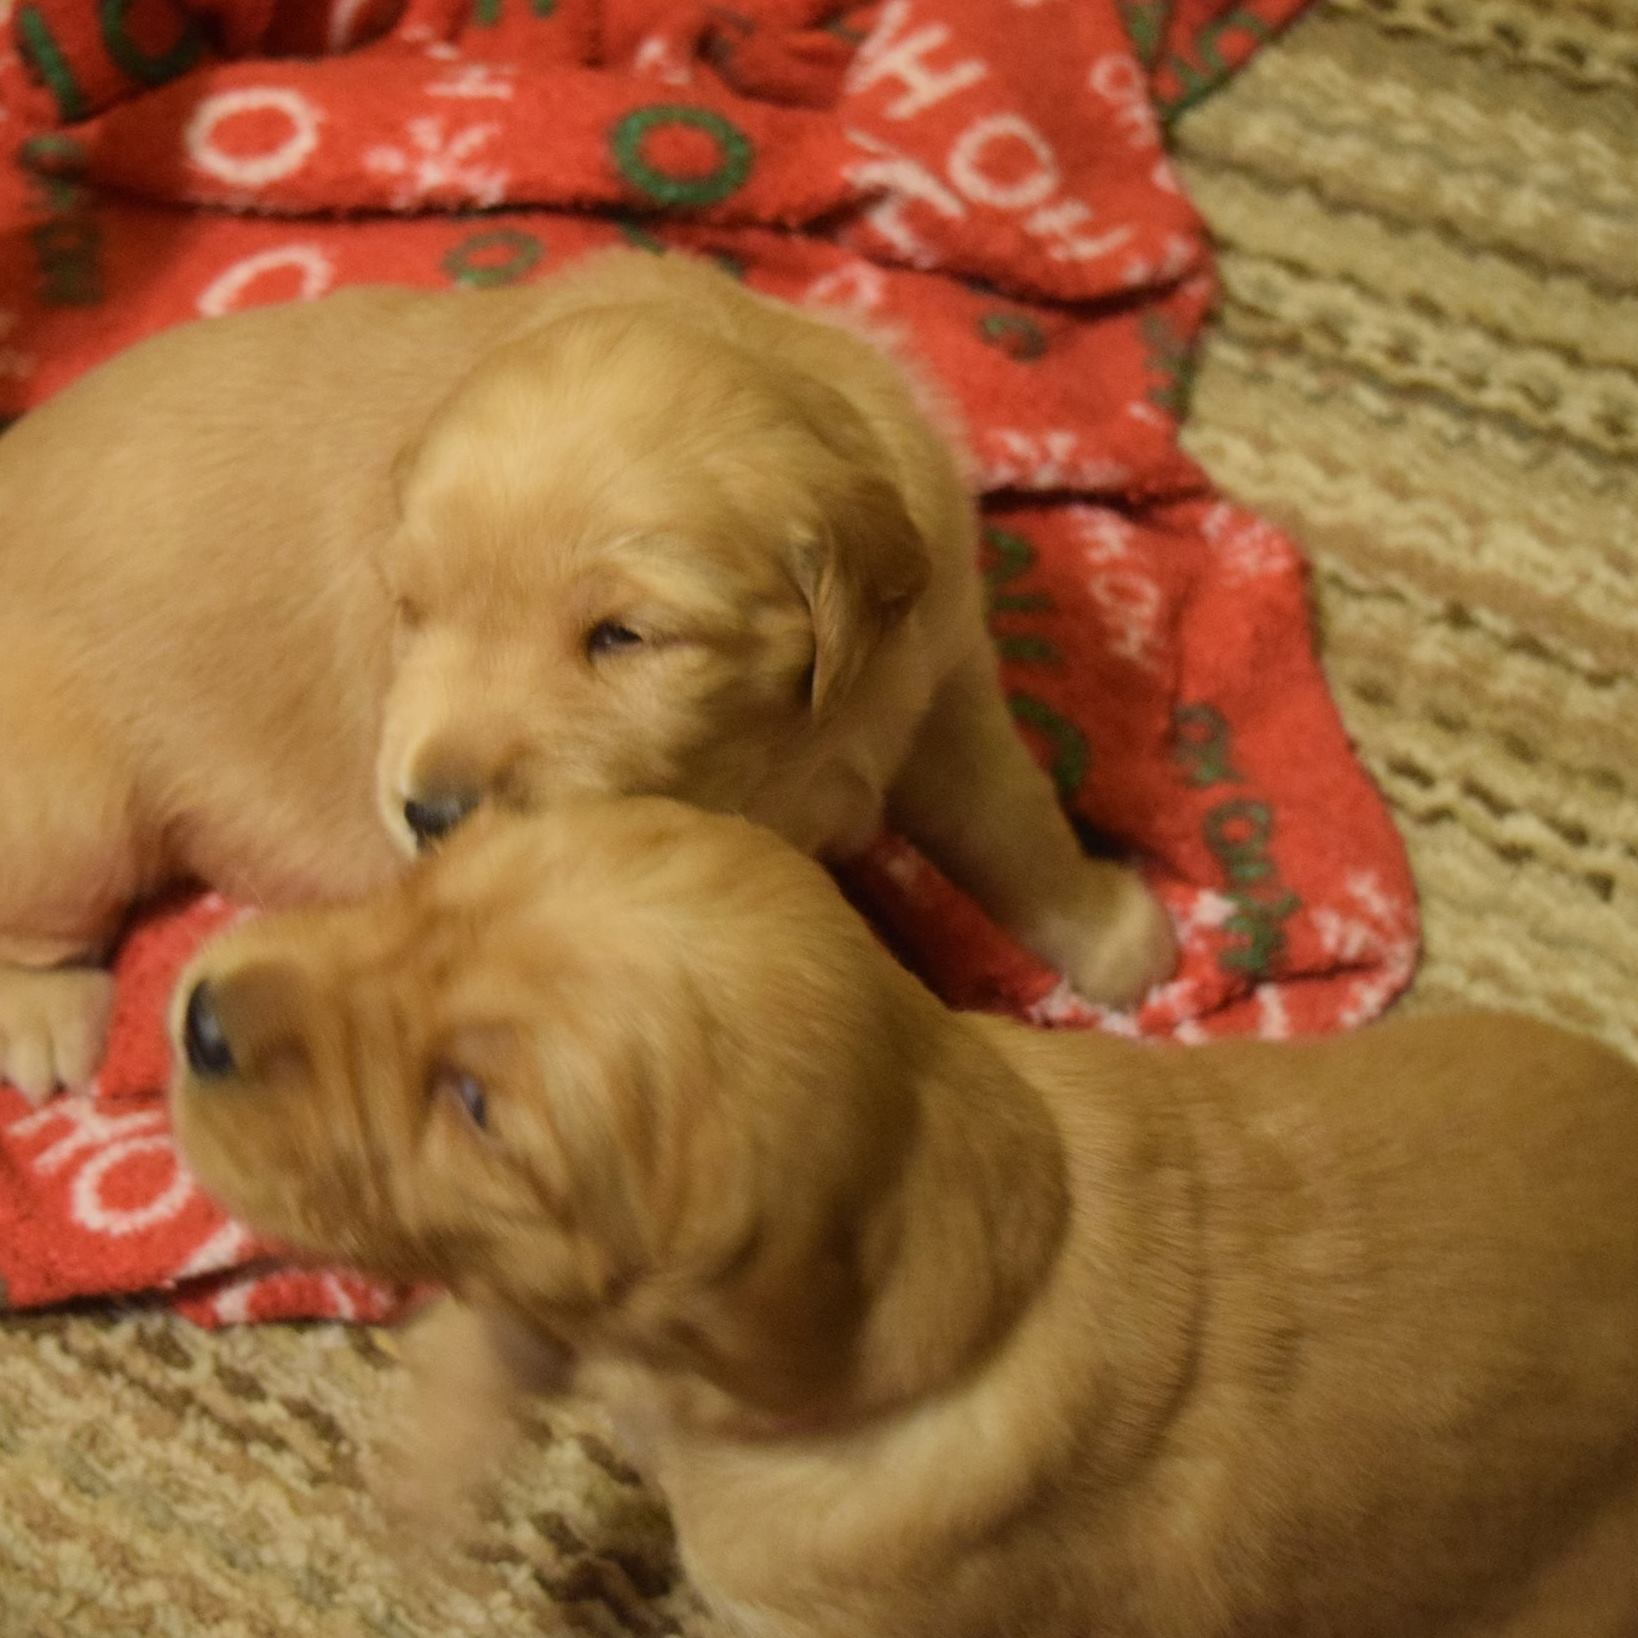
984,178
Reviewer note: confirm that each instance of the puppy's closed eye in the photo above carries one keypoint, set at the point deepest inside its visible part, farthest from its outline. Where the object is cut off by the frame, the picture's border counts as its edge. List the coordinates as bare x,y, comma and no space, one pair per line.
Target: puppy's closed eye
466,1092
611,637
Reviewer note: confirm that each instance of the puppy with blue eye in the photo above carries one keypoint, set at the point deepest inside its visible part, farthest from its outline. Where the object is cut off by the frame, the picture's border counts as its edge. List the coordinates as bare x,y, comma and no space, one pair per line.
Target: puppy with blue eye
290,593
930,1325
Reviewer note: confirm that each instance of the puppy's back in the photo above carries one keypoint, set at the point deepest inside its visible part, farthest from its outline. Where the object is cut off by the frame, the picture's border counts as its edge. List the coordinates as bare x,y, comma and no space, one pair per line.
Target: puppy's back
145,460
187,534
1417,1384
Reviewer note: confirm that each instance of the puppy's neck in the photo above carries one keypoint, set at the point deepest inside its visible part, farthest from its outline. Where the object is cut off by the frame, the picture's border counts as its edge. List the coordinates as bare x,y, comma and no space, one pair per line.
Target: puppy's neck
971,1233
948,1256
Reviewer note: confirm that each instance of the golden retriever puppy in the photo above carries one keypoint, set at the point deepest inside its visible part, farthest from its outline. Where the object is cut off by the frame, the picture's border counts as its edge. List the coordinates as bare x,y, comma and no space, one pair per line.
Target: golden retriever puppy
930,1325
289,593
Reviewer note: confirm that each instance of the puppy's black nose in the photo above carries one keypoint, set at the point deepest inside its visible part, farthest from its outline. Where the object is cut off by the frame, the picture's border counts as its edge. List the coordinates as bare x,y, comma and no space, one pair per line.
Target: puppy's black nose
203,1038
431,817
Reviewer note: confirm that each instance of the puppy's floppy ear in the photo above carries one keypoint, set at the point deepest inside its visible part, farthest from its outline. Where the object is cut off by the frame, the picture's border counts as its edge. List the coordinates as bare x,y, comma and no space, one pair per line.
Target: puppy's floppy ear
859,571
781,1331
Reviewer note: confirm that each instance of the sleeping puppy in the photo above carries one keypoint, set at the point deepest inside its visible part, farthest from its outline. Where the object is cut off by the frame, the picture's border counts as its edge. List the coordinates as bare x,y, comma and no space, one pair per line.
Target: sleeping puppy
288,594
930,1325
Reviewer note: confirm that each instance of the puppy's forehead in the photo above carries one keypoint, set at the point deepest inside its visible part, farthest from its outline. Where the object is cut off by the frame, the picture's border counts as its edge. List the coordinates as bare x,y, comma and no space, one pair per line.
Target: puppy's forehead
586,872
504,898
491,866
636,376
533,522
608,392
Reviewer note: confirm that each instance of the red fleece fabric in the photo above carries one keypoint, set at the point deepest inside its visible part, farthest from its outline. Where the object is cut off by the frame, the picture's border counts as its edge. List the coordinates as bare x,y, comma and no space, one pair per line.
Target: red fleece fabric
984,179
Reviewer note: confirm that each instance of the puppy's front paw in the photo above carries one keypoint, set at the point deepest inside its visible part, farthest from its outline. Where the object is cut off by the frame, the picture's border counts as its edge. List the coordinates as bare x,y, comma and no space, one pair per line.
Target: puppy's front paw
429,1475
455,1426
53,1027
1110,937
427,1494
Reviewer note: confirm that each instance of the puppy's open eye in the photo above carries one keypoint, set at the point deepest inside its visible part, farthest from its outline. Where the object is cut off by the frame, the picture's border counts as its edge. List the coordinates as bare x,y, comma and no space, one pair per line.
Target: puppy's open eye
609,637
466,1092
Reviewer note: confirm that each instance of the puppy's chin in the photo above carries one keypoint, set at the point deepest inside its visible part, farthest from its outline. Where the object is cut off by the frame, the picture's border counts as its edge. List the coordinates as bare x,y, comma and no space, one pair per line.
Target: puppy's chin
255,1209
288,1227
227,1179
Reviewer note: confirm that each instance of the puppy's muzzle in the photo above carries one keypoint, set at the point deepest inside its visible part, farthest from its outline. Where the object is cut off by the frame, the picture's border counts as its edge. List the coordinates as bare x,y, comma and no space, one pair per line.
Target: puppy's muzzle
204,1040
435,816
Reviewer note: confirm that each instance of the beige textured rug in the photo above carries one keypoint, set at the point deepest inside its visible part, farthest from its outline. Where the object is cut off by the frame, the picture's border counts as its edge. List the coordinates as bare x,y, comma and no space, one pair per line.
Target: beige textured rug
1427,365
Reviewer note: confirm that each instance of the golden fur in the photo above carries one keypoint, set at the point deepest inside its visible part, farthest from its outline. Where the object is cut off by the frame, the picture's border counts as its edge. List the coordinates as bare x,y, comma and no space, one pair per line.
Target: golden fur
933,1326
271,577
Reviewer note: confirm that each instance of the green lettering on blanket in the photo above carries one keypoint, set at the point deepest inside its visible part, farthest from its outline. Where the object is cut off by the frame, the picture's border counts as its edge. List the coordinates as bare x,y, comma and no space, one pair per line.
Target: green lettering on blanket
68,244
1201,745
1239,830
735,155
1208,70
1171,358
1260,924
1016,334
151,68
1025,648
1145,25
1071,756
638,236
1012,556
493,256
843,30
39,48
487,13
